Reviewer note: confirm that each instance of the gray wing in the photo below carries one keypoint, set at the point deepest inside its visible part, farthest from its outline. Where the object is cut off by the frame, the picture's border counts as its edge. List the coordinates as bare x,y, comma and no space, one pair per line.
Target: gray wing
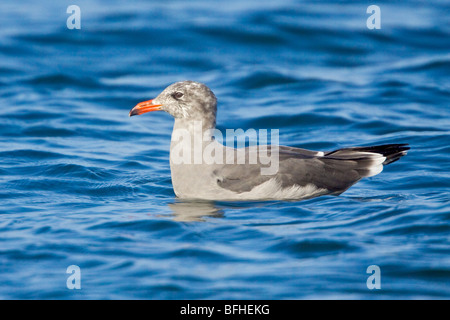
299,167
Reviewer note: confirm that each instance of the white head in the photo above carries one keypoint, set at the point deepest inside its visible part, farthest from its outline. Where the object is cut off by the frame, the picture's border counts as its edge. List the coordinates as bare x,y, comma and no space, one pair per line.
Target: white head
188,100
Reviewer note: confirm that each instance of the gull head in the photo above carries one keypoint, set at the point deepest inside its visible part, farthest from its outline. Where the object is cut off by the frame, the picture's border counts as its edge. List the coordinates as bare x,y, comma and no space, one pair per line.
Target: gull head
187,100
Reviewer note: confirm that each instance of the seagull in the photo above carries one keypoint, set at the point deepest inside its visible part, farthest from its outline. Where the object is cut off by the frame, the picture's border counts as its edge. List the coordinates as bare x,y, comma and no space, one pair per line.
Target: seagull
203,168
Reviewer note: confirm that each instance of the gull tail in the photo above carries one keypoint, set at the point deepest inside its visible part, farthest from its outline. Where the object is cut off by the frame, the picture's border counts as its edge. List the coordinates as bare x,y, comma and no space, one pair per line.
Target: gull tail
370,160
392,152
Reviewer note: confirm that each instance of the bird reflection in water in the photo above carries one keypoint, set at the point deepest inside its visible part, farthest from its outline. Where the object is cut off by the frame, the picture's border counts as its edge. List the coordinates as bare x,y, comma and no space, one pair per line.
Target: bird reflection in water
191,210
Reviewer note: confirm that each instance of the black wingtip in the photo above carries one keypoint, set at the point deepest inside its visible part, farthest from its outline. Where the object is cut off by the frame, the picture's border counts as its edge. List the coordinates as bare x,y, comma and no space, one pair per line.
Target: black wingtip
386,149
392,152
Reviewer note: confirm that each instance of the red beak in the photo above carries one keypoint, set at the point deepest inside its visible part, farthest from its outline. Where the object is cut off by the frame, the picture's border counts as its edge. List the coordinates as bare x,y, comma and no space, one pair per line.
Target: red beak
144,107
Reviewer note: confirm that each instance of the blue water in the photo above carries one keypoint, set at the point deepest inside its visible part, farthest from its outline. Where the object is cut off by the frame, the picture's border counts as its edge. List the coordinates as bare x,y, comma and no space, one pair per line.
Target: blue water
83,184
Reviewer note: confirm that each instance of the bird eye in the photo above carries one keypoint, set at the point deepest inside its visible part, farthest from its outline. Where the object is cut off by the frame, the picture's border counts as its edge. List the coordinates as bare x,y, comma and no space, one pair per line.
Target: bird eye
177,95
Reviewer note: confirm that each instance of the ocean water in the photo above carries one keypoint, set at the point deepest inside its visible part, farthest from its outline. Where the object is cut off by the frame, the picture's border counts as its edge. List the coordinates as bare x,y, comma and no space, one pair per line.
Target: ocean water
83,184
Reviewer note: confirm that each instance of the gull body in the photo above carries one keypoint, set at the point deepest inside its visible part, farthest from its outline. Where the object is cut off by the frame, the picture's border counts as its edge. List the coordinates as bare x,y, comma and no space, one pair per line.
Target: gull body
300,173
